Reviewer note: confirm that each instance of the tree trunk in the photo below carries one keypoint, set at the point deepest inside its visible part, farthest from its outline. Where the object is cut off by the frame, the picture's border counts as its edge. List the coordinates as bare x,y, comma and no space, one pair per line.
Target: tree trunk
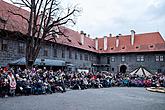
29,64
29,56
32,52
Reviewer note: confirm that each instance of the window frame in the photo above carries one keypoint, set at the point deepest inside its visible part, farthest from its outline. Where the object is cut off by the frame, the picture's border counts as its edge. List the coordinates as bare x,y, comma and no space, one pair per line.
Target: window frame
140,58
45,52
63,53
161,58
70,54
157,58
86,57
21,47
81,56
4,45
112,59
123,59
54,52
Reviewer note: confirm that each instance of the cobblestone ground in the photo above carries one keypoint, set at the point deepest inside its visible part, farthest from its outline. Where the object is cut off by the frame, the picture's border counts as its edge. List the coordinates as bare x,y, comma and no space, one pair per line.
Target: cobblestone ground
90,99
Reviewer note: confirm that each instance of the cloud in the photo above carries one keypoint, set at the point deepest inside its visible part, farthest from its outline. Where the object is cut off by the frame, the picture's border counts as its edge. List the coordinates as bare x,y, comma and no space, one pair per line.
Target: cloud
101,17
156,10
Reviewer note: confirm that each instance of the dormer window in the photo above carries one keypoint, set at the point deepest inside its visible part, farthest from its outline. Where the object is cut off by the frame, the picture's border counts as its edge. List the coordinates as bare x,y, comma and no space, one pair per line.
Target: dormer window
79,43
94,48
89,46
123,47
69,40
151,46
137,47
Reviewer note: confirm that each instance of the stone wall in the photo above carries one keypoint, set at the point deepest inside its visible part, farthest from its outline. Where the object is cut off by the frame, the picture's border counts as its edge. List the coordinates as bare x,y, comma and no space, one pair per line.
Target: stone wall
12,53
131,62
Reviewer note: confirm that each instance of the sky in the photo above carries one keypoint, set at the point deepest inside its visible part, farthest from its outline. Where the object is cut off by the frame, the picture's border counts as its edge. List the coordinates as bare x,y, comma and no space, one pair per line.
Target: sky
103,17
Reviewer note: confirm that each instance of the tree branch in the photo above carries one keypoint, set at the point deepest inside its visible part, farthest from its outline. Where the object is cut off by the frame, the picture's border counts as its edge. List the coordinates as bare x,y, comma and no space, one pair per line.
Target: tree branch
17,14
21,4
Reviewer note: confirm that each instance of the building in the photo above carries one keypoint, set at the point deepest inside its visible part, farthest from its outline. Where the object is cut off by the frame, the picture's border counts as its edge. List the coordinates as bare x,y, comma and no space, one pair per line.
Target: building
122,53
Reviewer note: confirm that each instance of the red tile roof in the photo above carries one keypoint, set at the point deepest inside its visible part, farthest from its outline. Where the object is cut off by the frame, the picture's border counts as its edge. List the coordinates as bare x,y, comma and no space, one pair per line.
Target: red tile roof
73,39
143,42
13,23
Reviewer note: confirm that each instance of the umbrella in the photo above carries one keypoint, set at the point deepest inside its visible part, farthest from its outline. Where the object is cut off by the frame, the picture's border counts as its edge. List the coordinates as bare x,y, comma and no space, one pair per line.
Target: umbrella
141,71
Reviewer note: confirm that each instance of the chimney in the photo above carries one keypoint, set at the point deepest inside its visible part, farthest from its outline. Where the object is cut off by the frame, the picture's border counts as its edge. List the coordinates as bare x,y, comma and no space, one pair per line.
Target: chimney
110,35
117,41
89,35
96,43
105,42
82,37
132,37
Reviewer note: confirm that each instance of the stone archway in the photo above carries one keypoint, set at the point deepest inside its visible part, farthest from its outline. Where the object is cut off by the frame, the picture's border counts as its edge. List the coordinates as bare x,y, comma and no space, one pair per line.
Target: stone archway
123,68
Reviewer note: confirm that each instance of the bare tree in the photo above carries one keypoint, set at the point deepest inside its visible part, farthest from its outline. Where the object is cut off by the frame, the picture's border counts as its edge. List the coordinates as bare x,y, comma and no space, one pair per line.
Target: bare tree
46,17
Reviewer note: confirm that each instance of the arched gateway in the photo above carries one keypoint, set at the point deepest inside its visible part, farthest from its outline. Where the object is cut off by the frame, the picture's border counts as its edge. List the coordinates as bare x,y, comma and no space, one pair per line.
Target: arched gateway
123,68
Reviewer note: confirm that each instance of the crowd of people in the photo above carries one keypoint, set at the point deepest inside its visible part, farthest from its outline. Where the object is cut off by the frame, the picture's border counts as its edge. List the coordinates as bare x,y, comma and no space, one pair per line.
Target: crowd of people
42,81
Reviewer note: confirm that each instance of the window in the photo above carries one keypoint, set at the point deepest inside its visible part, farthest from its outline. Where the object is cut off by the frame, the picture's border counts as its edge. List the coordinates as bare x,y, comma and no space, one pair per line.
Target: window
94,48
79,43
113,69
112,59
55,52
108,60
137,47
94,58
81,57
21,48
89,46
70,54
63,53
159,58
140,58
123,47
3,45
69,40
91,57
75,54
86,57
45,52
123,58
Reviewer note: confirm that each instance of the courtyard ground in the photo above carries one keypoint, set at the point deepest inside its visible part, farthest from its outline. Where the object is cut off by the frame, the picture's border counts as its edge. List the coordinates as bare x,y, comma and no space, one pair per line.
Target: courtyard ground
116,98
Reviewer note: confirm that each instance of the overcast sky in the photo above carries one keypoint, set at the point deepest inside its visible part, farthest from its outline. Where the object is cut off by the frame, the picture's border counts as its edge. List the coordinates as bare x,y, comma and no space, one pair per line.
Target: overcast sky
102,17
